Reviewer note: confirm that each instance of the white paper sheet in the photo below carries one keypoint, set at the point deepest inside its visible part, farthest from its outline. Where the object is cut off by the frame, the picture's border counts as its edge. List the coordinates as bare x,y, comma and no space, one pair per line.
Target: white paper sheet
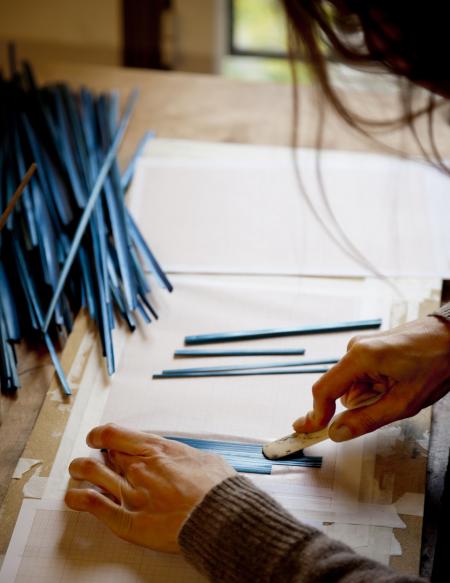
239,210
51,544
23,465
212,407
236,209
218,407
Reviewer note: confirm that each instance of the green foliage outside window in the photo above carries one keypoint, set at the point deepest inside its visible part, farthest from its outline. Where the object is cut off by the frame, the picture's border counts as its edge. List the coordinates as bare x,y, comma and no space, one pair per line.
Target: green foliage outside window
259,26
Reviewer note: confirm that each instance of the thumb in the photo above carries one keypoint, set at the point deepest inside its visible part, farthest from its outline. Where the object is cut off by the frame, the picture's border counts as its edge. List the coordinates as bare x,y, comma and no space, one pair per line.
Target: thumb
362,420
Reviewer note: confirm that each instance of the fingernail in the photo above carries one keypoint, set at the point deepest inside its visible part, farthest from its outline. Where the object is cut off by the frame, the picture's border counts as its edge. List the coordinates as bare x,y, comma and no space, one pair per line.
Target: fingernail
341,433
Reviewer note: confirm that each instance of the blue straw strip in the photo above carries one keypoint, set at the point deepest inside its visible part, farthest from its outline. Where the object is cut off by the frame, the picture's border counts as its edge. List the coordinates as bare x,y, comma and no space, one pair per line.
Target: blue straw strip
129,170
281,332
249,366
34,308
147,254
245,373
199,353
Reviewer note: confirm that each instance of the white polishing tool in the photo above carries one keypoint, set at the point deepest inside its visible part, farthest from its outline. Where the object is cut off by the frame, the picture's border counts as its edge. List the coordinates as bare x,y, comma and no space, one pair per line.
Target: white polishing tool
293,443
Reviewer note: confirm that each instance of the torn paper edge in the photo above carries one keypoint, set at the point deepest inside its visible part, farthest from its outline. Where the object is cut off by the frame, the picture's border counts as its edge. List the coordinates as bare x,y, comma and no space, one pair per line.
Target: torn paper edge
35,486
23,466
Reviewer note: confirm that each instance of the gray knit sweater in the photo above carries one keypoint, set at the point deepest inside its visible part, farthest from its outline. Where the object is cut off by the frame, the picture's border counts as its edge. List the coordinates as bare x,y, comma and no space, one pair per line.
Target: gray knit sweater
239,534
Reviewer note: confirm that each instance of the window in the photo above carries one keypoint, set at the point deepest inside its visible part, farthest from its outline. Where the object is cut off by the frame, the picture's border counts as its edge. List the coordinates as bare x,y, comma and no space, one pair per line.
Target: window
257,47
257,28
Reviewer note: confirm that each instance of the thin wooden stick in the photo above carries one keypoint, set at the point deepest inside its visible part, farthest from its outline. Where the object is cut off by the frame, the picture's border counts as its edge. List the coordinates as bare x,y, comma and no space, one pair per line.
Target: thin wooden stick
15,197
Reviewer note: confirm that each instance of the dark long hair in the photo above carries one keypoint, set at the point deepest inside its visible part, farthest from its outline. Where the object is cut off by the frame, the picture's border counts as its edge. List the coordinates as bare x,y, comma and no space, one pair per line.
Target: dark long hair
406,38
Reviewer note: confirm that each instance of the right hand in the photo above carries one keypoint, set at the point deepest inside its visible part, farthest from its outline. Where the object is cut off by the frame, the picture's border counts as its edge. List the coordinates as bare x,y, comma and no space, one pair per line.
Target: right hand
407,367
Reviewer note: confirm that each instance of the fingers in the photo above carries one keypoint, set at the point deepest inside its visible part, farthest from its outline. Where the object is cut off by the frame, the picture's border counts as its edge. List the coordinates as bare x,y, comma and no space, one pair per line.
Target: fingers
361,393
100,475
135,469
121,439
362,420
115,517
332,385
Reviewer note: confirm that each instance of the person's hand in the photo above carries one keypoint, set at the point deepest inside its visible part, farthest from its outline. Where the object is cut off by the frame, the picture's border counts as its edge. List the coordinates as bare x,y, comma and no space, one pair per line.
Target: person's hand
407,367
150,487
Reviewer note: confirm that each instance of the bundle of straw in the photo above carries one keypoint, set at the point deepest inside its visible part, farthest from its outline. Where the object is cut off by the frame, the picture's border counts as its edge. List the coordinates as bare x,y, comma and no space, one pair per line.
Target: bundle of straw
70,242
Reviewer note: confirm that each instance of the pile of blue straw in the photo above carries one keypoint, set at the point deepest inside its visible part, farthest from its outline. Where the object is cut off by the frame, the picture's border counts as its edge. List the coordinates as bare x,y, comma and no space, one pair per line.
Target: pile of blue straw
70,242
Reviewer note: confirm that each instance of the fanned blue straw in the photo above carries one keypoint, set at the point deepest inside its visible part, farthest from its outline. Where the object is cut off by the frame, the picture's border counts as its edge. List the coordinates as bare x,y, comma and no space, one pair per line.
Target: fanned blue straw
247,457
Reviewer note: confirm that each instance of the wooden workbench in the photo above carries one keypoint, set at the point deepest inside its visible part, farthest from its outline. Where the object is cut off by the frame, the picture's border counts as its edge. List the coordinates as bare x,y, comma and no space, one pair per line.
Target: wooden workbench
175,105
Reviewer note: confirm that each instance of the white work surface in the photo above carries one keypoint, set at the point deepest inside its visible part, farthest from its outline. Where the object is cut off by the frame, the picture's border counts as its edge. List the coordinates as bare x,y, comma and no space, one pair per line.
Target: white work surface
53,544
216,208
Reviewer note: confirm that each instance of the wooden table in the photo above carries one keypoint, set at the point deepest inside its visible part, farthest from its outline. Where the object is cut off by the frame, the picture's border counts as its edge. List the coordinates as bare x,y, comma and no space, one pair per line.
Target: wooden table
175,105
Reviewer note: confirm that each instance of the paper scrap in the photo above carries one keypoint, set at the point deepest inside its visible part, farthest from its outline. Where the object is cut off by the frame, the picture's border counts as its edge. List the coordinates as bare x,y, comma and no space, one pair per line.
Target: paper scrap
35,486
396,549
23,465
411,503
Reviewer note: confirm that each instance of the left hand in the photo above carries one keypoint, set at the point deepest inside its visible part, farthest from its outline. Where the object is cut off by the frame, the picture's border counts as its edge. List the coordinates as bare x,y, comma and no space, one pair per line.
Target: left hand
150,487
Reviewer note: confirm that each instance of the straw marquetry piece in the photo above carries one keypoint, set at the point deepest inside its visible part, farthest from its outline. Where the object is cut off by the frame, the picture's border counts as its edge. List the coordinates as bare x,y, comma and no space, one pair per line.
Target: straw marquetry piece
247,457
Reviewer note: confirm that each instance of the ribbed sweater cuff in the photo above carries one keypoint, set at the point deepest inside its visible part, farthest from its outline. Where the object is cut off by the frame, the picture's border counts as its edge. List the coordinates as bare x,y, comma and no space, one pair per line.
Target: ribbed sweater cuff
443,312
238,533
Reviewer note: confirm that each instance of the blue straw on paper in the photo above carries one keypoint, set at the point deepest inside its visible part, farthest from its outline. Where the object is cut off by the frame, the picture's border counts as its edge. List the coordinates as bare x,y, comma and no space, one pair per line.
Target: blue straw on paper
199,353
281,332
97,189
247,457
252,366
244,373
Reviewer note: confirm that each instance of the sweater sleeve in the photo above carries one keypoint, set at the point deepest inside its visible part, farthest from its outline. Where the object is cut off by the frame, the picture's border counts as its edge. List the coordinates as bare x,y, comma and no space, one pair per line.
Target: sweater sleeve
443,312
240,534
